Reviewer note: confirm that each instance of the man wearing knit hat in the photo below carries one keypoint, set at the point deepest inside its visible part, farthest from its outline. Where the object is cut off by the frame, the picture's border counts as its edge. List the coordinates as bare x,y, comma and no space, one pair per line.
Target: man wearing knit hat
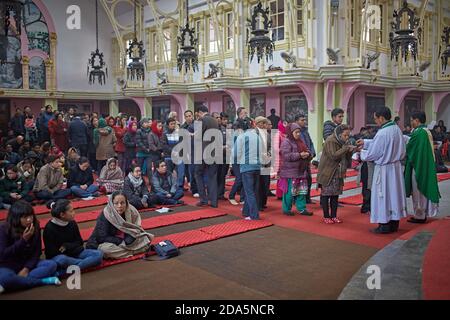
261,129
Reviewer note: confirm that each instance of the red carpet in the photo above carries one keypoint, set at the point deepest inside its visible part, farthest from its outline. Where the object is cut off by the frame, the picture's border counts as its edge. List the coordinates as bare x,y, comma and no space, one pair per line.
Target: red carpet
436,265
92,215
443,176
355,229
352,200
165,220
192,237
77,204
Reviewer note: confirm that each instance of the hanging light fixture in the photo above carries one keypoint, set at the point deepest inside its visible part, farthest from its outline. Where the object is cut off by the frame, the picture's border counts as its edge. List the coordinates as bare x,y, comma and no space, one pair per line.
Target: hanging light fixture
187,56
407,39
260,43
446,42
136,52
16,8
96,63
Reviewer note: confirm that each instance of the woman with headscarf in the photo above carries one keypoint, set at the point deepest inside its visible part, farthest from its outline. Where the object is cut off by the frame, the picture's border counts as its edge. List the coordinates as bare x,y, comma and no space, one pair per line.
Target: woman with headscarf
129,140
282,128
118,232
336,158
293,171
111,176
104,140
155,145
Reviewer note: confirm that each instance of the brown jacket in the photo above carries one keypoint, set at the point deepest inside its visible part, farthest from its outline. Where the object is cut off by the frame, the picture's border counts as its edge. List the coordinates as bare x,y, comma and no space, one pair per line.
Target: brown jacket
105,147
48,179
334,161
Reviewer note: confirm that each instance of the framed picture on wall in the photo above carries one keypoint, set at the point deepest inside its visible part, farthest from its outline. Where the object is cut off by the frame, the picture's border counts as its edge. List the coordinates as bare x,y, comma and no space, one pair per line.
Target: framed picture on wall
412,104
161,109
257,105
292,105
229,108
372,102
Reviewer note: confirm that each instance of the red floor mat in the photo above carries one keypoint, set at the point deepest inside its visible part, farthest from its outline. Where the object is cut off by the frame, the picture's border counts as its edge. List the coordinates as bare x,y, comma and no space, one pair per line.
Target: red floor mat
435,278
353,200
92,215
165,220
77,204
192,237
443,176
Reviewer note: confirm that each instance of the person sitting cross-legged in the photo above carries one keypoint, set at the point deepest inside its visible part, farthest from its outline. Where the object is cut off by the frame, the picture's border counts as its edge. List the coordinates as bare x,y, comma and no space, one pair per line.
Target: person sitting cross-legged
13,187
164,184
136,190
50,180
81,180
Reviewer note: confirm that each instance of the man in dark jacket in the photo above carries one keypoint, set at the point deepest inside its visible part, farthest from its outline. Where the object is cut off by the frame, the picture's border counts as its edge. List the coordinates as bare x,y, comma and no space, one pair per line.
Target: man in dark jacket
190,169
273,118
337,116
208,167
17,123
78,135
301,120
81,180
43,120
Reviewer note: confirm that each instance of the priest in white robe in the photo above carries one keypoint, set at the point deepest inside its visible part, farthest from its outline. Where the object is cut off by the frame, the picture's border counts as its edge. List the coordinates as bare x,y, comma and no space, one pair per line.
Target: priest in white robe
386,150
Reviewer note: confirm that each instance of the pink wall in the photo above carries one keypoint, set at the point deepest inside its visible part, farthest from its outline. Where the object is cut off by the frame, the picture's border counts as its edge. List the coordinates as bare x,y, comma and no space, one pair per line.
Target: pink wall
35,105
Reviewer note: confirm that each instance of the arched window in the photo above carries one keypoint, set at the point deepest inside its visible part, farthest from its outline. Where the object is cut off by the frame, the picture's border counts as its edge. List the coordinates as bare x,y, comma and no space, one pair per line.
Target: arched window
36,35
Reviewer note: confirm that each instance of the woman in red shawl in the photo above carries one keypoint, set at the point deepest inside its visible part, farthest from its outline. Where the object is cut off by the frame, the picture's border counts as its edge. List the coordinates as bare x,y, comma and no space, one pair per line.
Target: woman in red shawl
58,132
120,129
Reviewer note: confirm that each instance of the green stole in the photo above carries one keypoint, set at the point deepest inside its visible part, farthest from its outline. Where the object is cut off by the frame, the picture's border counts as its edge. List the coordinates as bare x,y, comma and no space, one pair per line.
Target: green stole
419,156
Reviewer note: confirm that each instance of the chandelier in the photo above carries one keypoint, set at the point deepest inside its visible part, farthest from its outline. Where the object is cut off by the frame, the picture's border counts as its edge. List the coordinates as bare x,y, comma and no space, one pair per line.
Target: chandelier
136,52
187,56
96,63
260,43
405,41
16,8
446,42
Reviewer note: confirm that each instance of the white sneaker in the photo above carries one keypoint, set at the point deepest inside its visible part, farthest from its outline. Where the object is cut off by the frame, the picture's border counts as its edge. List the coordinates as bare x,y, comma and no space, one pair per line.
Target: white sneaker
247,218
233,202
88,198
196,195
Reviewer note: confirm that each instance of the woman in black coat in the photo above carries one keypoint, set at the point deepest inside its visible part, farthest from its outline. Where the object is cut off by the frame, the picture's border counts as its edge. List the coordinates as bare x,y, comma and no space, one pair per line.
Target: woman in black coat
136,190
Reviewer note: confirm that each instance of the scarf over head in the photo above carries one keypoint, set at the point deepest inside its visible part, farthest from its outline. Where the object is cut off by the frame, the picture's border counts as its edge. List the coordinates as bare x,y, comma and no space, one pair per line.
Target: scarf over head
337,132
290,135
101,125
130,127
155,129
108,174
129,224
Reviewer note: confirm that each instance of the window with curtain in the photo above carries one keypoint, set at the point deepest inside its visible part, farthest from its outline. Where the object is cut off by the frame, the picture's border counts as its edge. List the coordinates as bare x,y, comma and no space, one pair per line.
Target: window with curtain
300,18
212,43
167,44
277,16
229,30
199,34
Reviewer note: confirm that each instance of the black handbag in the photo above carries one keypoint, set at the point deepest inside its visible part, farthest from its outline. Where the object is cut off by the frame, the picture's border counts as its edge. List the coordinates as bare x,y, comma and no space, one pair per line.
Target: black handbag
164,249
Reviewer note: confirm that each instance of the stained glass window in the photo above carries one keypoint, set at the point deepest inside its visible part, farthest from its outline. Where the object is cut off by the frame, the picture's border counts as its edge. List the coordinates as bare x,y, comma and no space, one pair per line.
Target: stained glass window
37,73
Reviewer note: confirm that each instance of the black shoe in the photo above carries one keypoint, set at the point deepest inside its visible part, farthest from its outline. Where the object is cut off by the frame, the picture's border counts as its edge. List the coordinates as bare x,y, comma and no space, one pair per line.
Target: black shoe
414,220
201,204
383,228
365,211
181,202
306,213
289,213
214,206
394,225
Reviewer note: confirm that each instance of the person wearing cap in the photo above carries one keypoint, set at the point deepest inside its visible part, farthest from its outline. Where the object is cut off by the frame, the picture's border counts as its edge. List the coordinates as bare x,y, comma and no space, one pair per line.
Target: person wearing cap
261,129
